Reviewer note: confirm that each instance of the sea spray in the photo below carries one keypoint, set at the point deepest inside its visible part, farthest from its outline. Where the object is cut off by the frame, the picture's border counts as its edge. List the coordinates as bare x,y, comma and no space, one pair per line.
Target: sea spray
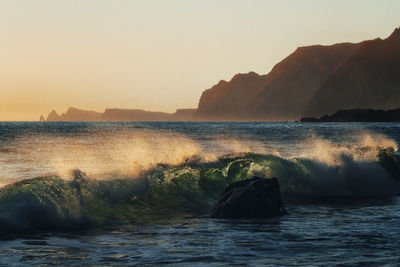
166,191
143,176
131,152
99,153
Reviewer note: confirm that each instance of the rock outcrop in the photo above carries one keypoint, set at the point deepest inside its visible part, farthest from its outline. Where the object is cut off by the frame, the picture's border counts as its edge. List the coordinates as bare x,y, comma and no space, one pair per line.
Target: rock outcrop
53,116
253,198
359,115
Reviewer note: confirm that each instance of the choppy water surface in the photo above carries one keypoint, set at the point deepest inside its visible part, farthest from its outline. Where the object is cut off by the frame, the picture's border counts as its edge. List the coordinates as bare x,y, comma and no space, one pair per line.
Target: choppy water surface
150,186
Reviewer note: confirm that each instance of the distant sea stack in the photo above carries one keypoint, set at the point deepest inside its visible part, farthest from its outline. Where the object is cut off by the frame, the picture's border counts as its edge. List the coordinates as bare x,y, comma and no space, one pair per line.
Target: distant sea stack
359,115
53,116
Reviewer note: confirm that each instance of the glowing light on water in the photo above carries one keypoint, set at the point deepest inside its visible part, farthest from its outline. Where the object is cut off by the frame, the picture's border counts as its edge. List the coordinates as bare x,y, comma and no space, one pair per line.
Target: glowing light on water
119,153
364,147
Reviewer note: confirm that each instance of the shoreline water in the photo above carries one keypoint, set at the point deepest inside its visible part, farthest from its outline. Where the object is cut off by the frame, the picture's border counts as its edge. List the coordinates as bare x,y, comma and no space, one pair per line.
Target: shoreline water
109,217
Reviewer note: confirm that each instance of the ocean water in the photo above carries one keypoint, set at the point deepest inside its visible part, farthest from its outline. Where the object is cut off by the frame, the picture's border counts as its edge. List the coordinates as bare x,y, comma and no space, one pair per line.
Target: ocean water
141,193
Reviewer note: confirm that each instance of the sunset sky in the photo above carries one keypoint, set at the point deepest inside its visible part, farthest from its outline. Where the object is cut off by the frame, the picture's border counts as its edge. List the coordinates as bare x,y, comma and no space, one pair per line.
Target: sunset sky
159,55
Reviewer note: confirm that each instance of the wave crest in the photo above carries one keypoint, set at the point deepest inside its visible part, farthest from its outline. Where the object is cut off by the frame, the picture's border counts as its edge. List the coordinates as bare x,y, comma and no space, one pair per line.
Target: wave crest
192,184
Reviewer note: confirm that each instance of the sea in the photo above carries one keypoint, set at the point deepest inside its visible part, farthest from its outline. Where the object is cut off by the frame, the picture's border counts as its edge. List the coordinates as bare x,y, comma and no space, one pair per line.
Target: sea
141,193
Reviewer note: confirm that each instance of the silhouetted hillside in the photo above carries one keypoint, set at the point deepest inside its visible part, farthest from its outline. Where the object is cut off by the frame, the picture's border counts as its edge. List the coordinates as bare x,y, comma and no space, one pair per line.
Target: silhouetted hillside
294,81
115,114
312,81
230,100
74,114
280,95
359,115
369,79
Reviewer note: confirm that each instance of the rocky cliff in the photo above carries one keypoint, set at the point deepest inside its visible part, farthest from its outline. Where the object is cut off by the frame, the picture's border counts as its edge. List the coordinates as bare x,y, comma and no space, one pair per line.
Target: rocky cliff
312,81
282,94
369,79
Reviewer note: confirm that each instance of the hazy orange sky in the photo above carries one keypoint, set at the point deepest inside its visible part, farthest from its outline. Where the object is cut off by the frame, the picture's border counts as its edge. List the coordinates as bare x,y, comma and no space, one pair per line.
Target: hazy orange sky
159,55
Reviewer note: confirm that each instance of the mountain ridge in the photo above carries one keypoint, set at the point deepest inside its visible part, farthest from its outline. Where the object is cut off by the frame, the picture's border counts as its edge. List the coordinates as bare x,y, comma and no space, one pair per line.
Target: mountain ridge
369,79
312,81
117,114
263,97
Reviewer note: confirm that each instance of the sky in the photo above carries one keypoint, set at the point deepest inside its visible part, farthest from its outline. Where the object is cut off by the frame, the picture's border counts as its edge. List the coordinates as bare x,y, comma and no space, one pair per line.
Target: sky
159,55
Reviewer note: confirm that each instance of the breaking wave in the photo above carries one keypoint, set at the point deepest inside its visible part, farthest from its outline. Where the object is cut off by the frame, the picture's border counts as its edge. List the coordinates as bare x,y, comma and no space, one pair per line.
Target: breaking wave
183,183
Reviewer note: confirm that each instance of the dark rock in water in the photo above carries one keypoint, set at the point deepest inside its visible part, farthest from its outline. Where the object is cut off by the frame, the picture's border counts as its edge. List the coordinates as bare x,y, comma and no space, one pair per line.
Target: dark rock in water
253,198
79,176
